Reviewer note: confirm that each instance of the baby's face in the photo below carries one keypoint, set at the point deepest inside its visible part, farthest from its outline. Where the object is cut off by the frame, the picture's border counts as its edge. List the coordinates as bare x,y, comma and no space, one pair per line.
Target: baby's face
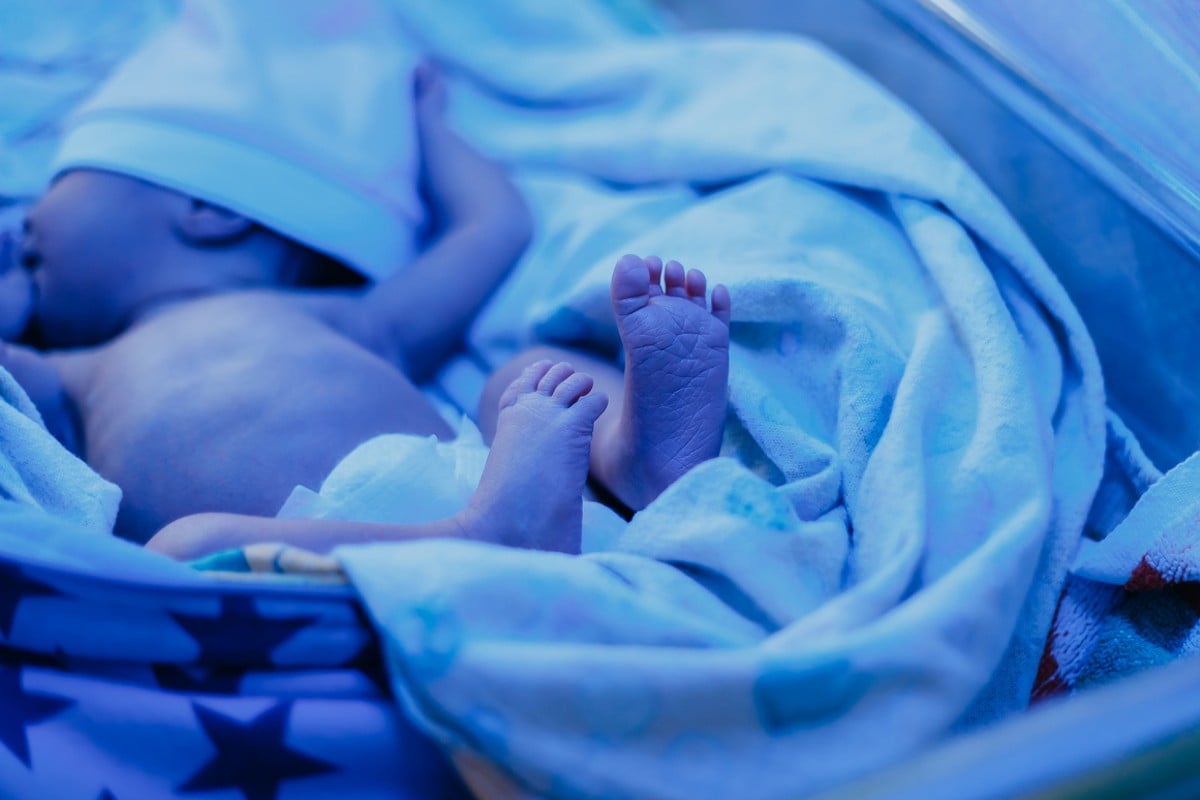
88,241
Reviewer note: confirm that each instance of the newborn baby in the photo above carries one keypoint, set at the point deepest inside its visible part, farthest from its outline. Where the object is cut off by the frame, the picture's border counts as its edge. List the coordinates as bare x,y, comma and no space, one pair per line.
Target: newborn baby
223,398
171,276
185,364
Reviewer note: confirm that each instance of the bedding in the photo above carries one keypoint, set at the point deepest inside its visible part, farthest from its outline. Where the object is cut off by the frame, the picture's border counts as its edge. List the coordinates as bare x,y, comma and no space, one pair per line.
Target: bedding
1130,602
917,434
917,421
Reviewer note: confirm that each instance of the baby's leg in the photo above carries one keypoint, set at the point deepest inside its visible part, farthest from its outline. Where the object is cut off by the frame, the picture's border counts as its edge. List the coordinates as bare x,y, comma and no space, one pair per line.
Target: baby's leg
666,413
530,493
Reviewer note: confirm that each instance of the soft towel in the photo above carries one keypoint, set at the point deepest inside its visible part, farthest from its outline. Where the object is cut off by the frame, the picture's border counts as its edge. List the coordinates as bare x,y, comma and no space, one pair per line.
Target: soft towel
1132,600
916,414
36,472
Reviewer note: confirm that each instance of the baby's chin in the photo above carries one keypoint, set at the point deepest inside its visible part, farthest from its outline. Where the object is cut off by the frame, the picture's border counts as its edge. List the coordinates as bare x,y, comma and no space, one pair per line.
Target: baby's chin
16,303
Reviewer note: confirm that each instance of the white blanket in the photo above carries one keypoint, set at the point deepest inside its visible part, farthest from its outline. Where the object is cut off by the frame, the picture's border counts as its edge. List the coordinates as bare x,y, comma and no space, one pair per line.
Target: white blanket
917,419
917,427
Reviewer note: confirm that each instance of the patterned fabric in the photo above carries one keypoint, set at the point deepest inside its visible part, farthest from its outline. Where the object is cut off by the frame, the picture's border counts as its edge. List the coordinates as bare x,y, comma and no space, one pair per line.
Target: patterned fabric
1133,599
112,688
272,559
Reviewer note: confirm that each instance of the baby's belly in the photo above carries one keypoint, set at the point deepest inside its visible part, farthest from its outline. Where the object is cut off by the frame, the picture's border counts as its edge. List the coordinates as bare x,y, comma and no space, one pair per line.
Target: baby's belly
237,434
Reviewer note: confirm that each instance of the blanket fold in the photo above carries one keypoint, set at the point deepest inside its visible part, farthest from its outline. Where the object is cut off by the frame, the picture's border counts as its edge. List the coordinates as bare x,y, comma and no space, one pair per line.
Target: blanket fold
39,473
916,415
915,445
1132,600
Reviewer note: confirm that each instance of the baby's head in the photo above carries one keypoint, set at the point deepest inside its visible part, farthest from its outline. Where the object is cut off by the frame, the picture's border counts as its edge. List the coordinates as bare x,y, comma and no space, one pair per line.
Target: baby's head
104,247
233,113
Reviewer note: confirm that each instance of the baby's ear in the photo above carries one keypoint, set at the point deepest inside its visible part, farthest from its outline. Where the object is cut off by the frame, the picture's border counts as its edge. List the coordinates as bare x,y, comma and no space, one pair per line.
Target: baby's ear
203,223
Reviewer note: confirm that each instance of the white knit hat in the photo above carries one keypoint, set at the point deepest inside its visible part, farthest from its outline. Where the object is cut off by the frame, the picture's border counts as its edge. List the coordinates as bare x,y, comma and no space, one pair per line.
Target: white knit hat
296,114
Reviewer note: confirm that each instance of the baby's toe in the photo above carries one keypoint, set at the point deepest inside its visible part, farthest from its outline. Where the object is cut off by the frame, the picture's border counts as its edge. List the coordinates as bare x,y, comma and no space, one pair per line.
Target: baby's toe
554,378
674,279
573,387
722,303
630,288
526,382
655,265
591,406
696,285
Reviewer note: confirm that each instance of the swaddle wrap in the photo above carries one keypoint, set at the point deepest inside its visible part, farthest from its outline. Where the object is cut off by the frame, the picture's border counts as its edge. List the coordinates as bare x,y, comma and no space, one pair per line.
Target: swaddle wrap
300,118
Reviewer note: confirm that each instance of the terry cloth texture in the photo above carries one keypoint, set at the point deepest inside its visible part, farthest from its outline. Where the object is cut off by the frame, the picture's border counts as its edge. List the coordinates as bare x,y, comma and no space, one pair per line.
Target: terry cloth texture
919,430
36,472
916,413
1132,600
298,116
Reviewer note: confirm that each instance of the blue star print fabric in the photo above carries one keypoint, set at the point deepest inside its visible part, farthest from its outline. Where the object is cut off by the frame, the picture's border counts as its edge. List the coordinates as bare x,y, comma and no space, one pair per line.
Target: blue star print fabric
181,686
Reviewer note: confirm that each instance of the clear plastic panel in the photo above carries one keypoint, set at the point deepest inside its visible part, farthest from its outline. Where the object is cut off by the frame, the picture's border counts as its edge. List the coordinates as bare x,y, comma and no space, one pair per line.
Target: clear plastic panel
1119,82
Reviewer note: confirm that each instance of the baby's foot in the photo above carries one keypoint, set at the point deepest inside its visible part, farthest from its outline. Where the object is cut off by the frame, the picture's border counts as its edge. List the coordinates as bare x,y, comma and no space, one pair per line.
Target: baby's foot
531,492
676,372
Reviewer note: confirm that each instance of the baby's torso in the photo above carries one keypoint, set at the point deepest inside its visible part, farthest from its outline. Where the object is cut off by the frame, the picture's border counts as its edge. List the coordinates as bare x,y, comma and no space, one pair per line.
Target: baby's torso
227,403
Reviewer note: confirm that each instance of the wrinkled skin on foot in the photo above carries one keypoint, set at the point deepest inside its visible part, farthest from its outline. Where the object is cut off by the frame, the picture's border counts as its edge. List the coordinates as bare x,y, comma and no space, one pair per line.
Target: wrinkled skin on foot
676,377
531,492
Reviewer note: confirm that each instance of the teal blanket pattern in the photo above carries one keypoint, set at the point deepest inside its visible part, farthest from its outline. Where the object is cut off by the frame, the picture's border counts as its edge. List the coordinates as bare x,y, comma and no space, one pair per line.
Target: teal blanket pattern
916,428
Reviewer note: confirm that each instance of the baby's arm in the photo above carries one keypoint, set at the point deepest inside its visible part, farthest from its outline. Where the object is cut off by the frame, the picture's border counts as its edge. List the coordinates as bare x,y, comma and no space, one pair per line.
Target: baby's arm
421,315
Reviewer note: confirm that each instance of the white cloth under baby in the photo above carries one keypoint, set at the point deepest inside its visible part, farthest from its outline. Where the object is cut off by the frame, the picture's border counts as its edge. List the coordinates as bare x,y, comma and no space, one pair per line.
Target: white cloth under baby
401,478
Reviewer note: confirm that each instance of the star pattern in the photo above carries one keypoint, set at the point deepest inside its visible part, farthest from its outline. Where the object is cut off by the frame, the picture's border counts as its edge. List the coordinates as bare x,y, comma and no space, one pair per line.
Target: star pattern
219,680
251,756
369,661
16,657
15,586
238,634
369,658
21,709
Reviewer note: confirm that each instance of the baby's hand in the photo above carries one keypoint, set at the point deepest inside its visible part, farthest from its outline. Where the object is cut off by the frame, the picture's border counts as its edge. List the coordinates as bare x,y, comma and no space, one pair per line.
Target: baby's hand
16,291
